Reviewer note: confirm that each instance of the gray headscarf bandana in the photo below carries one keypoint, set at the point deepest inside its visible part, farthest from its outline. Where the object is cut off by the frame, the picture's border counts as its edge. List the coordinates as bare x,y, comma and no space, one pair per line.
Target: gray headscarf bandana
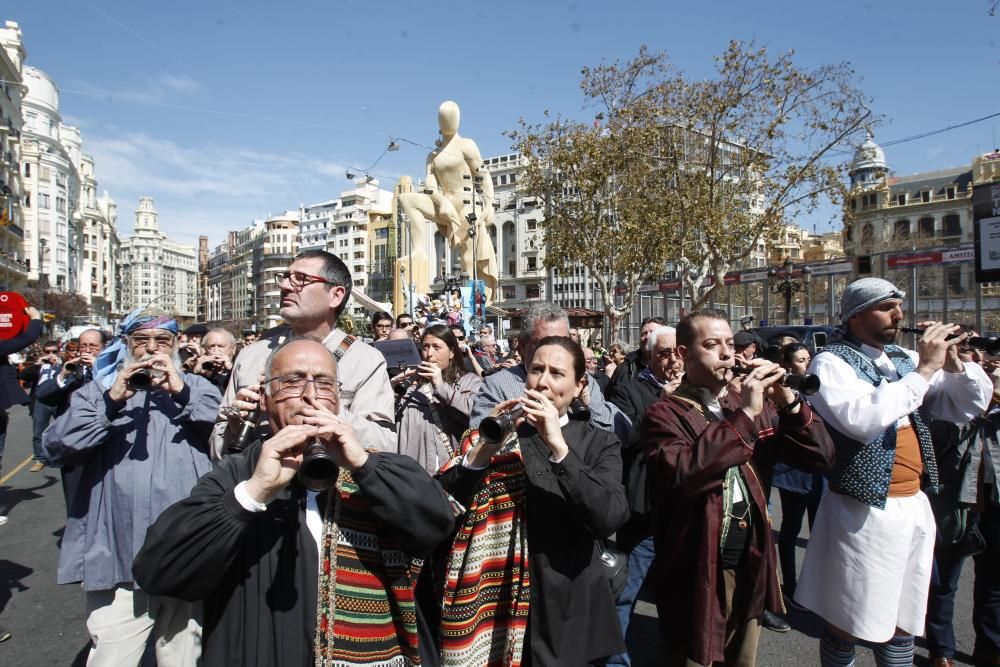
865,293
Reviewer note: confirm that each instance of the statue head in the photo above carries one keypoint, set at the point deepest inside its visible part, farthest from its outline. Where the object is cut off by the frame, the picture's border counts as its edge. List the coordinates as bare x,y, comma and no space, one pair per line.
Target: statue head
448,118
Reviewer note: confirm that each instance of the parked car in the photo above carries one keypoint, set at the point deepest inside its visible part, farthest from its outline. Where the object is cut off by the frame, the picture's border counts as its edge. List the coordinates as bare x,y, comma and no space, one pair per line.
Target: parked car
814,337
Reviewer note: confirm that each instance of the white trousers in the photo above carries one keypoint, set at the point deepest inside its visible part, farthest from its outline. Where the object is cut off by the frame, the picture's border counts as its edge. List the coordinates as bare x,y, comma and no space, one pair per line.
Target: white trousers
867,571
121,620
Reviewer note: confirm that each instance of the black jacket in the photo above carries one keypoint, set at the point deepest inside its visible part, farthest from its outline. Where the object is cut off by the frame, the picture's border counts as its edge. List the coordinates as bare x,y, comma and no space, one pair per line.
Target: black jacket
10,389
572,618
258,572
629,368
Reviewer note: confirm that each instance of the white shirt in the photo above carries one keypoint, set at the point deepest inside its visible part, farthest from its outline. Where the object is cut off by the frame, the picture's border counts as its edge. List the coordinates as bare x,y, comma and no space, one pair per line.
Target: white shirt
862,411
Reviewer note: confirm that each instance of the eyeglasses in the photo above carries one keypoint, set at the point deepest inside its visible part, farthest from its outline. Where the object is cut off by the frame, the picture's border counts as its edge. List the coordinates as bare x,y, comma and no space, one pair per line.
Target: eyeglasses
162,342
290,386
298,279
404,324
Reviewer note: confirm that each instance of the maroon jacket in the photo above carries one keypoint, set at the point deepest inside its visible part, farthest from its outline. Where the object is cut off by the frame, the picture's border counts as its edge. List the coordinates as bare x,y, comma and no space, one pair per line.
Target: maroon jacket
688,457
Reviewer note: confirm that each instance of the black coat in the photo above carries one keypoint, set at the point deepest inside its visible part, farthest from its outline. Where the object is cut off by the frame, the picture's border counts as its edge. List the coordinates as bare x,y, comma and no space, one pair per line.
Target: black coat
572,618
258,572
629,368
10,389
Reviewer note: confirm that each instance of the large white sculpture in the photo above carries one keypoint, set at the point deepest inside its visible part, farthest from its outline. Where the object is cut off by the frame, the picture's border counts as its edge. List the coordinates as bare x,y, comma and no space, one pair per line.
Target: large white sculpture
456,185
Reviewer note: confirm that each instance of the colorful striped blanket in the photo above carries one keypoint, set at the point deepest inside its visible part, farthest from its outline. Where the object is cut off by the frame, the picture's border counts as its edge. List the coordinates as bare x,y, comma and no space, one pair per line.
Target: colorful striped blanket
484,613
366,611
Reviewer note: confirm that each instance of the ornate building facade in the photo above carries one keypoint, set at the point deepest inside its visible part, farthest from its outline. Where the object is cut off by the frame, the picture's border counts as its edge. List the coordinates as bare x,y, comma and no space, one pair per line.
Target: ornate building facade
157,271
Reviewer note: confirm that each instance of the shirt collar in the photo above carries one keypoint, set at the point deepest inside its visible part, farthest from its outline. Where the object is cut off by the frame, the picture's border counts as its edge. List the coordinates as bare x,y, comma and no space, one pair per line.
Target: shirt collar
564,420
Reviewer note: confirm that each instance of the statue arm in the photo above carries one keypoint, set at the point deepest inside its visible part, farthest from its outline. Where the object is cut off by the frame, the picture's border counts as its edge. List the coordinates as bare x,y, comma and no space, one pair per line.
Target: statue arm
430,179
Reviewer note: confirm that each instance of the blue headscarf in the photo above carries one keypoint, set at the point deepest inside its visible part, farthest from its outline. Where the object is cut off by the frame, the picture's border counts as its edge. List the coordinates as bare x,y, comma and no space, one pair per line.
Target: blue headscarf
116,354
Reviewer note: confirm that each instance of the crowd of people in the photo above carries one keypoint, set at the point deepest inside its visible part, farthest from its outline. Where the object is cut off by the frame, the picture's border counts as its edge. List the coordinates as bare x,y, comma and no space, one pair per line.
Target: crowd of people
297,501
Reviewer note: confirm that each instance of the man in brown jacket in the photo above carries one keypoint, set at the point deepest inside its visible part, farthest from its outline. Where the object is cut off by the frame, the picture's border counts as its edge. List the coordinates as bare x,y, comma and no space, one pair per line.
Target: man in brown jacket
710,448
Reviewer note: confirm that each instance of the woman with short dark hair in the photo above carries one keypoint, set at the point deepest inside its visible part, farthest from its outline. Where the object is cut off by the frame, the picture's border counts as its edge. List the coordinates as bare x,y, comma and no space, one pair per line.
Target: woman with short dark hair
525,582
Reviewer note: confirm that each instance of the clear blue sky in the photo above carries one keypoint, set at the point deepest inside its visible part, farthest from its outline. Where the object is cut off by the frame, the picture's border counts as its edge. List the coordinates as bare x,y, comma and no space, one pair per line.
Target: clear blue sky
227,110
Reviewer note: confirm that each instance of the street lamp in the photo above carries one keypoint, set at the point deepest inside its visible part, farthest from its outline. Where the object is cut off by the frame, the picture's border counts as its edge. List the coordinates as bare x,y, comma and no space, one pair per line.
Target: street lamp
787,286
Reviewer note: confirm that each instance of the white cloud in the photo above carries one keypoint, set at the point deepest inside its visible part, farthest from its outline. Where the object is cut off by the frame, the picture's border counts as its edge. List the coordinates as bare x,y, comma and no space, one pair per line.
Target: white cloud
206,189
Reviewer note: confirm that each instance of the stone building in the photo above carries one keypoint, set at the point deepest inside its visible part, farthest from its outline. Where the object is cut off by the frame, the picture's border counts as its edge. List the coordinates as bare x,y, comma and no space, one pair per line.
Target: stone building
157,271
13,260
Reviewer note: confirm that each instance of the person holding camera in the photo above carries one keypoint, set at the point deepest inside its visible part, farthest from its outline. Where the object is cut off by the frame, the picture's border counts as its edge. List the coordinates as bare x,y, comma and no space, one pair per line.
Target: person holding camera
710,447
435,400
139,436
540,491
294,576
215,363
45,367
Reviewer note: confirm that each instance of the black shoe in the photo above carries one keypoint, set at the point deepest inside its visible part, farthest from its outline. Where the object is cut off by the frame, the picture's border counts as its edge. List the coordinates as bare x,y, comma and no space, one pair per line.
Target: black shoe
774,623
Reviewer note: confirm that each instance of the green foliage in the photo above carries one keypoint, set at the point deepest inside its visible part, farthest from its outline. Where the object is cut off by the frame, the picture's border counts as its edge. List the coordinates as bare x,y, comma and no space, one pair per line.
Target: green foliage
692,173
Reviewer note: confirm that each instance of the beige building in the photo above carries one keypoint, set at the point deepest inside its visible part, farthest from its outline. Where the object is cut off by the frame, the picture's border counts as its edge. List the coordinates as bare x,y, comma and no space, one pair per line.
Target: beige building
157,271
13,261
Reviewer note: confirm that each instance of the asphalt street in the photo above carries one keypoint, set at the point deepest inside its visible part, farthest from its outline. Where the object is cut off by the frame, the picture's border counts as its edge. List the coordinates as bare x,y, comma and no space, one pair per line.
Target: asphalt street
48,622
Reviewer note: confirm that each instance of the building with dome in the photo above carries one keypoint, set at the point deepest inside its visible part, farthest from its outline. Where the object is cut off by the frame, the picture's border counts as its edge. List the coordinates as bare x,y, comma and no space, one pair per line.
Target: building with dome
915,230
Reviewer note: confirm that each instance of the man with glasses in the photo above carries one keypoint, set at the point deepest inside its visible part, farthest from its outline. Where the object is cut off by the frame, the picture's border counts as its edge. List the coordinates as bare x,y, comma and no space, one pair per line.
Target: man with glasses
381,326
138,435
314,291
291,574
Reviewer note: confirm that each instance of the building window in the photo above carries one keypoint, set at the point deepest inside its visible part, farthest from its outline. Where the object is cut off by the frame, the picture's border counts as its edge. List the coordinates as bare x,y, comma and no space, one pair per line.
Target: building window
927,227
512,268
43,200
509,292
532,224
532,263
901,199
533,292
925,196
952,226
27,169
950,192
953,275
27,200
902,230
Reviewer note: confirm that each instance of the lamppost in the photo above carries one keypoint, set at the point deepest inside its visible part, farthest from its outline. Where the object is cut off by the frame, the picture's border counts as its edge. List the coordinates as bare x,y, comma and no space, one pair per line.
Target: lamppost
787,286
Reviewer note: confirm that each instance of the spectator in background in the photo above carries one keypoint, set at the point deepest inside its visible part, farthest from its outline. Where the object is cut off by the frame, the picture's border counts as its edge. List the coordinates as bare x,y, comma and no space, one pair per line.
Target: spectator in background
404,321
215,363
45,368
596,374
614,357
574,334
11,392
747,344
633,397
636,360
800,491
469,362
381,326
486,352
54,394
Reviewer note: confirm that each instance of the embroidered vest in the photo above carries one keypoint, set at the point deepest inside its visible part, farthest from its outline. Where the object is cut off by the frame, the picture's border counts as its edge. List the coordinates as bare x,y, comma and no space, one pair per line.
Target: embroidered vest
863,470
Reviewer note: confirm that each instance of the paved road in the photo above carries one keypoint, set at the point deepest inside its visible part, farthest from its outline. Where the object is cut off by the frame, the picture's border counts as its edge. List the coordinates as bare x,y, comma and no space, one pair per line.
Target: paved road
48,621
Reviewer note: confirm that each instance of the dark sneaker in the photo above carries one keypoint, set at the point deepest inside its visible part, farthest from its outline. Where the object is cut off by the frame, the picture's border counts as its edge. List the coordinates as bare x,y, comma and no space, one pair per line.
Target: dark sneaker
774,623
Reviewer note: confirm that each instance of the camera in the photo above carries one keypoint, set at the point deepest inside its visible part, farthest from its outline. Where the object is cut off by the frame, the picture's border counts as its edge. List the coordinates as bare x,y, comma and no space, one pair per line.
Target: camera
496,429
318,471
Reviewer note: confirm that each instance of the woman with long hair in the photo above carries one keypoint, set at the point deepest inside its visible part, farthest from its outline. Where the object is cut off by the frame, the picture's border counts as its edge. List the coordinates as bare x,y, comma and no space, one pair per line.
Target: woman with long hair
435,400
525,583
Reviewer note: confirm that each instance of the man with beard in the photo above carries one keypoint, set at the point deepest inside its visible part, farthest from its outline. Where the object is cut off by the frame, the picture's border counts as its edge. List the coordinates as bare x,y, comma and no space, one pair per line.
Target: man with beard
868,564
295,576
314,291
139,436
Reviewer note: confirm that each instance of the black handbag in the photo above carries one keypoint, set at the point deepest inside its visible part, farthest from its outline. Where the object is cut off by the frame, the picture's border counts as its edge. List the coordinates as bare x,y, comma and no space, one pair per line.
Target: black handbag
615,564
